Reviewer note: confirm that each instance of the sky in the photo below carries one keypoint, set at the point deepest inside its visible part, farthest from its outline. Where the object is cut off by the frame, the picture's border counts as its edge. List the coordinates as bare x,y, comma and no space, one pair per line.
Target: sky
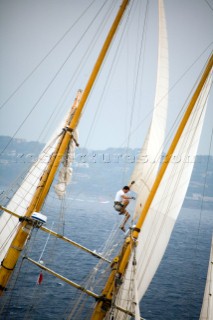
48,50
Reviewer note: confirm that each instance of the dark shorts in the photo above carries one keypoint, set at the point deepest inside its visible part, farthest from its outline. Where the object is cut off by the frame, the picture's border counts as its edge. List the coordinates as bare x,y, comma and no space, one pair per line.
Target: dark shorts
118,206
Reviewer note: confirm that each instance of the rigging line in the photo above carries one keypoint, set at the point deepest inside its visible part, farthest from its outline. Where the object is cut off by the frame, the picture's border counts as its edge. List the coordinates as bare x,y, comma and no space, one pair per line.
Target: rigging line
11,290
35,293
61,237
45,57
138,67
78,69
45,245
167,191
10,234
15,278
108,77
203,193
45,150
172,129
170,90
169,135
137,75
77,286
209,5
54,77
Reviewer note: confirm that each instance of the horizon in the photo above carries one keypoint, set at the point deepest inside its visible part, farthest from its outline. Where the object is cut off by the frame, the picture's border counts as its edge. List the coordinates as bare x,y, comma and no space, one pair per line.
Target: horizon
28,35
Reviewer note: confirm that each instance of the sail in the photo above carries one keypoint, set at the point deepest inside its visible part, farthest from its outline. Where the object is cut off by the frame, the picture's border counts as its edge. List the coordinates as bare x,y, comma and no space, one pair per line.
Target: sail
148,161
23,196
65,173
166,205
207,307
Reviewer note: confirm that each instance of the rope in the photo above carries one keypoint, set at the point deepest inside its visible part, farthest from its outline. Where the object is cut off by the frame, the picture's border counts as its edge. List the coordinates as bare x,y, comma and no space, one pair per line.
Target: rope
170,90
53,78
137,67
46,56
209,5
166,190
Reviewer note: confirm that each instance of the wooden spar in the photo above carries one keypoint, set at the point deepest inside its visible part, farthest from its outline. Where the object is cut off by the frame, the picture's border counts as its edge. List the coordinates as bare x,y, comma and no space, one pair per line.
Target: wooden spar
74,284
59,236
17,245
122,261
85,95
21,236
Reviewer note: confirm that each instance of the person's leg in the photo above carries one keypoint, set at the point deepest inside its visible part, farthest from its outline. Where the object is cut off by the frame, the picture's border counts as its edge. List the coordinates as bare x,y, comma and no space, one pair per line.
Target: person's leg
127,216
125,203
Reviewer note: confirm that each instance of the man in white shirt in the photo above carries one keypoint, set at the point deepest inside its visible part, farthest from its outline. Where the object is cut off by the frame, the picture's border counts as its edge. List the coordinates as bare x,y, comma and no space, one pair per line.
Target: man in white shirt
121,202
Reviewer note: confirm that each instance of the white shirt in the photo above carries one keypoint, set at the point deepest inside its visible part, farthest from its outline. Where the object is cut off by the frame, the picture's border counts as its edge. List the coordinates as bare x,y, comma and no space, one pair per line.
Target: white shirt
118,196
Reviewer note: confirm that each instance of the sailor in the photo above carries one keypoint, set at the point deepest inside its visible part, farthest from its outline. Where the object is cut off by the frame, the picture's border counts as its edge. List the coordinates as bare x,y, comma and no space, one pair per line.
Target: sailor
120,204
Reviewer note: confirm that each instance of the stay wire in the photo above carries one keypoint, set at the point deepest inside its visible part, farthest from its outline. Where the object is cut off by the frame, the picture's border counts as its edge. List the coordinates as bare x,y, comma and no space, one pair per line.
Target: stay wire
114,60
203,191
170,90
46,56
136,84
210,6
61,102
137,75
52,80
167,188
172,129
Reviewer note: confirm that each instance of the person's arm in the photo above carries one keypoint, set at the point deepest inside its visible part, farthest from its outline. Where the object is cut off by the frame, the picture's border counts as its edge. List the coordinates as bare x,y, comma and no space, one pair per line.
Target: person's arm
127,198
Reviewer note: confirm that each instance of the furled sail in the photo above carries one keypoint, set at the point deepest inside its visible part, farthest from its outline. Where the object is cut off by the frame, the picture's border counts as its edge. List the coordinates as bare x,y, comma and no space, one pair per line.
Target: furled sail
149,158
207,307
65,173
166,205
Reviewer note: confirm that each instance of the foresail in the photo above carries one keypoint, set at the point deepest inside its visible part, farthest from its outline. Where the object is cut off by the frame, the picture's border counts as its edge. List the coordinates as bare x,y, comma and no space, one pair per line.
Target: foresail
207,307
149,158
23,196
166,205
148,161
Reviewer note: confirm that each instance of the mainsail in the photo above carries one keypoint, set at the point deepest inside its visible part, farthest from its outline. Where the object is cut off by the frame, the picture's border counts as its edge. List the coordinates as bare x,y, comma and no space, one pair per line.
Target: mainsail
145,170
207,307
166,205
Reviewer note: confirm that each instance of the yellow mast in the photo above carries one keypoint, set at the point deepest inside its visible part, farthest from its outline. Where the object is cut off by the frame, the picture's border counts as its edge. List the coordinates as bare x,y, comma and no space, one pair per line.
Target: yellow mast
121,262
11,258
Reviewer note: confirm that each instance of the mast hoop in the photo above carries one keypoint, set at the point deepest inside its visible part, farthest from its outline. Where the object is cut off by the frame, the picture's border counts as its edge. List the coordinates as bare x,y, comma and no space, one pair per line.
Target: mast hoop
6,267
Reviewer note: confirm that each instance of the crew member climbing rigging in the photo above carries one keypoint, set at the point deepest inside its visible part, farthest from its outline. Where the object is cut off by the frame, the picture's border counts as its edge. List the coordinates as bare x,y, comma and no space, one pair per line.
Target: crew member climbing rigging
121,202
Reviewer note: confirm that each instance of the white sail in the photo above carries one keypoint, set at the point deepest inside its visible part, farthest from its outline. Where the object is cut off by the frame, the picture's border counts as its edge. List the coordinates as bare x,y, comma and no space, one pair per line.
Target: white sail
207,307
146,168
148,161
23,196
166,205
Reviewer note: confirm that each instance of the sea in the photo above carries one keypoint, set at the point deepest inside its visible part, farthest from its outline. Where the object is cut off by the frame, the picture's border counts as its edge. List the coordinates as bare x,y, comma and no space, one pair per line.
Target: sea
175,293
